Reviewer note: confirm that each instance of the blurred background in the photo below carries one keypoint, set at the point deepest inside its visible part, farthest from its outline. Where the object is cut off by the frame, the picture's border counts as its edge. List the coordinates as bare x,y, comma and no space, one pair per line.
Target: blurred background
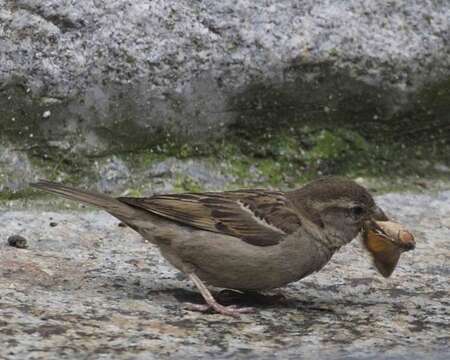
145,96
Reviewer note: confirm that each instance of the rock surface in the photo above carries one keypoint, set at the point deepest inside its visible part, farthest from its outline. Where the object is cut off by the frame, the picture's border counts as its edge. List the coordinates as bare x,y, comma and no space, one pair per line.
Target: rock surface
88,288
95,76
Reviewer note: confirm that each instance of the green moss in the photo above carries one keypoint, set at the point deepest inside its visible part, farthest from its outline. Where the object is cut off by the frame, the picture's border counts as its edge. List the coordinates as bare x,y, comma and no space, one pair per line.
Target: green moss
27,193
281,146
337,151
275,137
134,192
328,146
142,159
240,168
280,160
186,184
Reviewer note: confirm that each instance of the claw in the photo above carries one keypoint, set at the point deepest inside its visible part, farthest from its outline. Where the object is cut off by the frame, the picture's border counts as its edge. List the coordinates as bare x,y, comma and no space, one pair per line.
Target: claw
211,303
197,307
231,310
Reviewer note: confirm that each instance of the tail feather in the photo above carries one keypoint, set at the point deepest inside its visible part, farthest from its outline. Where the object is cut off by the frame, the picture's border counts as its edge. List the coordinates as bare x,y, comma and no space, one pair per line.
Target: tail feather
130,215
108,203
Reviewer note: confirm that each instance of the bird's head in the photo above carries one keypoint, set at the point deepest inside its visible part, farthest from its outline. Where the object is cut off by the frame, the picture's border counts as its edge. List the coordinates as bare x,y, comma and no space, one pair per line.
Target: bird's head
339,206
343,209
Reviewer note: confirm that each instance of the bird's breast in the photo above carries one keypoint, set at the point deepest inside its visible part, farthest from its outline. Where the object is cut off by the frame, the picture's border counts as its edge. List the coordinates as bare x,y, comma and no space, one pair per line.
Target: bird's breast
232,263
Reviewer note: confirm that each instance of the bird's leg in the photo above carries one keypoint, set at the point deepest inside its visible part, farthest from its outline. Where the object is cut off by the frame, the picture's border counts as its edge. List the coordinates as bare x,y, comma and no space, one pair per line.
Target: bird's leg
249,296
211,303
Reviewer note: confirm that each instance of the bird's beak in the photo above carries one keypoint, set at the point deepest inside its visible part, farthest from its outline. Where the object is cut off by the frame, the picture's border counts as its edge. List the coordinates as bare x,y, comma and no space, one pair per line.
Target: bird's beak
379,215
386,240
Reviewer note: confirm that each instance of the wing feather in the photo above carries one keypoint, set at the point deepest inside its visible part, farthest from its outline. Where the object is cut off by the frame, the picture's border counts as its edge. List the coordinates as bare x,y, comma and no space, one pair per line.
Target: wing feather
258,217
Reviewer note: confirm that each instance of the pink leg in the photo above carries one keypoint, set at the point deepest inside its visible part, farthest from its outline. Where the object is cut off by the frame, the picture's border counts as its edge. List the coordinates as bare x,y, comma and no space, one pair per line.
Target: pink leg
211,303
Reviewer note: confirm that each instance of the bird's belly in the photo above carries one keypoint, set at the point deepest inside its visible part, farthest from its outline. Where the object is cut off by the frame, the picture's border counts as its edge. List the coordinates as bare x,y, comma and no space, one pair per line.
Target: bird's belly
248,277
231,263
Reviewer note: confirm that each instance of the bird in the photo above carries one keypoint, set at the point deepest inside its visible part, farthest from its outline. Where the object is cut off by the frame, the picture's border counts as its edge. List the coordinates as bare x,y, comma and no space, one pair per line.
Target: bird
245,240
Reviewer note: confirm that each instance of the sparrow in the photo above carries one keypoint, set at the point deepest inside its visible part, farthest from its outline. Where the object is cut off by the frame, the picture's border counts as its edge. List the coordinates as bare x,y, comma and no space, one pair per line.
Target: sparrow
245,240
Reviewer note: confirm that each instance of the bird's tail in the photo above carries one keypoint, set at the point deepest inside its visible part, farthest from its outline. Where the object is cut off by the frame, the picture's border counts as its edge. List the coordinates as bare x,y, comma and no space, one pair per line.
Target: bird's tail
108,203
115,207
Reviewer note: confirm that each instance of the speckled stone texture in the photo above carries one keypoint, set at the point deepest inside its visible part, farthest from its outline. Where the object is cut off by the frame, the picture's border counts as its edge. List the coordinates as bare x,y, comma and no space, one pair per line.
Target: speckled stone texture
90,76
87,288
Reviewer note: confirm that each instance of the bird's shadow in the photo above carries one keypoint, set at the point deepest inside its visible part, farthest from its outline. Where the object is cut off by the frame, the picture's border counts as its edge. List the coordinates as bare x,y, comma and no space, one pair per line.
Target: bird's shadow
275,300
242,299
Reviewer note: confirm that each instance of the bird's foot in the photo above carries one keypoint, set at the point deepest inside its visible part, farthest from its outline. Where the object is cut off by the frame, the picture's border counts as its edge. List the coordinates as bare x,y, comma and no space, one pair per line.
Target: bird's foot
212,304
250,298
230,310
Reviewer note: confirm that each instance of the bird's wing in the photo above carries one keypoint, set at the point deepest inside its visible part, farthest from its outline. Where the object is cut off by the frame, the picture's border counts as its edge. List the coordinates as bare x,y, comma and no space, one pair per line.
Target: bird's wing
259,217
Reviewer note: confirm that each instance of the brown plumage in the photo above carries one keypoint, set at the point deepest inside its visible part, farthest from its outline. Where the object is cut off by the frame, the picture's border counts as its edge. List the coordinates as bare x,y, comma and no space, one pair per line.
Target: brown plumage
259,217
246,239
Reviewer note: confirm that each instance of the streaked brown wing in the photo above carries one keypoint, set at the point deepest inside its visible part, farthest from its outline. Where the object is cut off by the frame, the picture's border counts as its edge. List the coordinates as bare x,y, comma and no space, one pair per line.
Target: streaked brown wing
259,217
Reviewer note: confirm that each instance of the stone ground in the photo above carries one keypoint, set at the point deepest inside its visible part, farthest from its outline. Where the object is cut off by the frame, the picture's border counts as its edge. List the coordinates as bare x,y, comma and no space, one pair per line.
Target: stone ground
87,288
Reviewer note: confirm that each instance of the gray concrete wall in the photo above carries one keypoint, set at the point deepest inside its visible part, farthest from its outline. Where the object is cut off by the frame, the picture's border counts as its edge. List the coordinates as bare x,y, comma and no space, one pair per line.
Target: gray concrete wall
89,76
101,78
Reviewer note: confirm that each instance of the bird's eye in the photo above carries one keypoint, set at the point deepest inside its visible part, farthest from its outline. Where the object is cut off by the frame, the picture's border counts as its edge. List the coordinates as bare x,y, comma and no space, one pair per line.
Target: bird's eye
357,211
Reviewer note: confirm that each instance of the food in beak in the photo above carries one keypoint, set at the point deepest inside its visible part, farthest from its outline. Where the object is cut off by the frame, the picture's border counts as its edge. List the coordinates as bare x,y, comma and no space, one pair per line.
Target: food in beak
386,240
